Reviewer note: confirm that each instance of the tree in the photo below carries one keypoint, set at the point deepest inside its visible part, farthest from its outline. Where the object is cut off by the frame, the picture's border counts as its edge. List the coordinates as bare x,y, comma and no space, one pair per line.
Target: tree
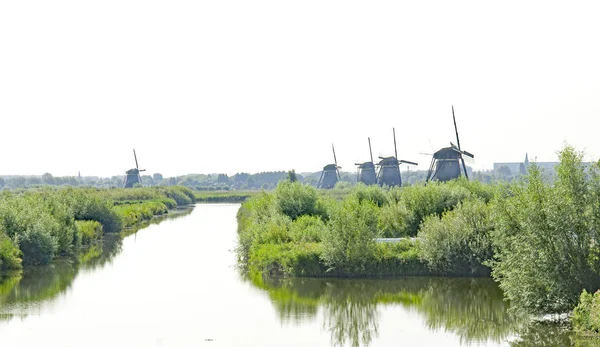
292,176
157,177
546,237
222,179
504,171
47,178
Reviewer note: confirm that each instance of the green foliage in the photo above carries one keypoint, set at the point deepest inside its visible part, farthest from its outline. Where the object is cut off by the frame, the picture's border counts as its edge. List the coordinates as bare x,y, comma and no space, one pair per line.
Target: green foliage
307,229
10,255
42,224
295,259
349,240
374,194
394,220
37,244
134,213
89,231
459,242
294,199
546,238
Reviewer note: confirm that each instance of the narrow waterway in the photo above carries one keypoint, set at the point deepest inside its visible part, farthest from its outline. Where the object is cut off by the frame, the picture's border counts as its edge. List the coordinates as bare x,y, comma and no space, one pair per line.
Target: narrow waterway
176,284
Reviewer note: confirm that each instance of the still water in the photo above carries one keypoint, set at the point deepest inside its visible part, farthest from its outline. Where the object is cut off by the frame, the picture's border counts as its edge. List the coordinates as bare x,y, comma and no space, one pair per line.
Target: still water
176,284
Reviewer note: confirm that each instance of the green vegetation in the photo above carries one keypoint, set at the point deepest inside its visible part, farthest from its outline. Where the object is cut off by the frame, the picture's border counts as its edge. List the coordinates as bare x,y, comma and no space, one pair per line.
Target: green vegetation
297,231
38,225
538,237
223,196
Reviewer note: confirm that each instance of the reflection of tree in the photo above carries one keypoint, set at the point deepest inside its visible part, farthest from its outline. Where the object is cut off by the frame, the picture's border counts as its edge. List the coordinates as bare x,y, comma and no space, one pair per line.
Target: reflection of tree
546,334
473,309
351,314
295,299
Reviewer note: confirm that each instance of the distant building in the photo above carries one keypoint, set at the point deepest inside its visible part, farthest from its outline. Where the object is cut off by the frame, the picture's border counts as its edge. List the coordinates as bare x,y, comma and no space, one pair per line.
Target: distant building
516,168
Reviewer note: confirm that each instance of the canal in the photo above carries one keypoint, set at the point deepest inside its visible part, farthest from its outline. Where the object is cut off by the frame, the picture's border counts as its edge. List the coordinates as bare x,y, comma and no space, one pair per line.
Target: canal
176,283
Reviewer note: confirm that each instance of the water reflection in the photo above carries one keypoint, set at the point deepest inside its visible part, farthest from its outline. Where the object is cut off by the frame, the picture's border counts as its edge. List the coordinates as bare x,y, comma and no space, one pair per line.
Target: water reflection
473,309
20,292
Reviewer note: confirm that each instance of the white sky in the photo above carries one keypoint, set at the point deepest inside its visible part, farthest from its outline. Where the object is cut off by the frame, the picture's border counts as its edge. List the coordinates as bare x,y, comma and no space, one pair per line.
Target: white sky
230,86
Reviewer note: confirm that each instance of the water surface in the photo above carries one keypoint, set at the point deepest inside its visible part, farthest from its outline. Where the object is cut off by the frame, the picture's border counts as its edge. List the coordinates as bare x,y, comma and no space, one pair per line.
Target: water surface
176,284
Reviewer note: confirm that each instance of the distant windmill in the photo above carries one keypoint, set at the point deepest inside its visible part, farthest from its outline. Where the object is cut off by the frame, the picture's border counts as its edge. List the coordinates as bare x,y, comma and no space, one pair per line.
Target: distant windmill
389,168
446,163
133,175
366,170
330,174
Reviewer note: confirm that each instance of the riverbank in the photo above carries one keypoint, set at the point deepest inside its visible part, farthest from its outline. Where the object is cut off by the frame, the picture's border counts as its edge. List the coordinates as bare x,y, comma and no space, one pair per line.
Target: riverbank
40,225
225,196
538,238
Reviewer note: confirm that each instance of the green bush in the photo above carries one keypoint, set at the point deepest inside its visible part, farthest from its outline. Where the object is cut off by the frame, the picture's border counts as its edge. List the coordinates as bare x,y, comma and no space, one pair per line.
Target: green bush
349,240
181,195
135,213
10,255
307,229
546,237
374,194
89,231
293,259
459,242
394,220
37,245
294,199
98,208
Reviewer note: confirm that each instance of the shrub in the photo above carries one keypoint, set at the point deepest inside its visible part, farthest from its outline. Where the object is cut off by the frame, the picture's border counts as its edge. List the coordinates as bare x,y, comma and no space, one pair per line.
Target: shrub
10,255
89,231
459,242
373,194
181,195
37,245
394,220
349,240
307,229
294,199
546,238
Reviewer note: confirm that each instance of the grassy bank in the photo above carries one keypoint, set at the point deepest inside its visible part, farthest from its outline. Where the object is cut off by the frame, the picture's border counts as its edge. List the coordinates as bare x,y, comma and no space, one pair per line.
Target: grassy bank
37,226
539,240
223,196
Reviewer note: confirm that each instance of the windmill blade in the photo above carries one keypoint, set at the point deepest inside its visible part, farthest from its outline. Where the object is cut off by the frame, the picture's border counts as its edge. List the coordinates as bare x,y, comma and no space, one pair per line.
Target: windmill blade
334,157
142,170
135,156
455,128
468,154
425,153
469,160
407,162
370,151
395,148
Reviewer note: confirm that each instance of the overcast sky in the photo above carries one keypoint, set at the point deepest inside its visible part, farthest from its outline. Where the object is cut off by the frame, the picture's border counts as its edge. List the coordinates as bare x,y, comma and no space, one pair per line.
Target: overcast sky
230,86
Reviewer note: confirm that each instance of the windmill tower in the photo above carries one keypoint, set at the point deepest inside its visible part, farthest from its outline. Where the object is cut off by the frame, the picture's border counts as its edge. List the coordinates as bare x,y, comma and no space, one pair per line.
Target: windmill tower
389,168
446,163
330,174
366,171
133,175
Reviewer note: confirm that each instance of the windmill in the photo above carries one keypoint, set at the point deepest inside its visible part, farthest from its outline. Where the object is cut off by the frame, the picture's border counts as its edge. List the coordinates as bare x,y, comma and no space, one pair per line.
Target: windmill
389,168
446,163
133,175
366,171
330,174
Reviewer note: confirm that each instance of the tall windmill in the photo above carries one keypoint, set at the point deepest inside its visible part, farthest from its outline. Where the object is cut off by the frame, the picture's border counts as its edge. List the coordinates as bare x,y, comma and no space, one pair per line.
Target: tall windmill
330,174
389,168
446,163
366,170
133,175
